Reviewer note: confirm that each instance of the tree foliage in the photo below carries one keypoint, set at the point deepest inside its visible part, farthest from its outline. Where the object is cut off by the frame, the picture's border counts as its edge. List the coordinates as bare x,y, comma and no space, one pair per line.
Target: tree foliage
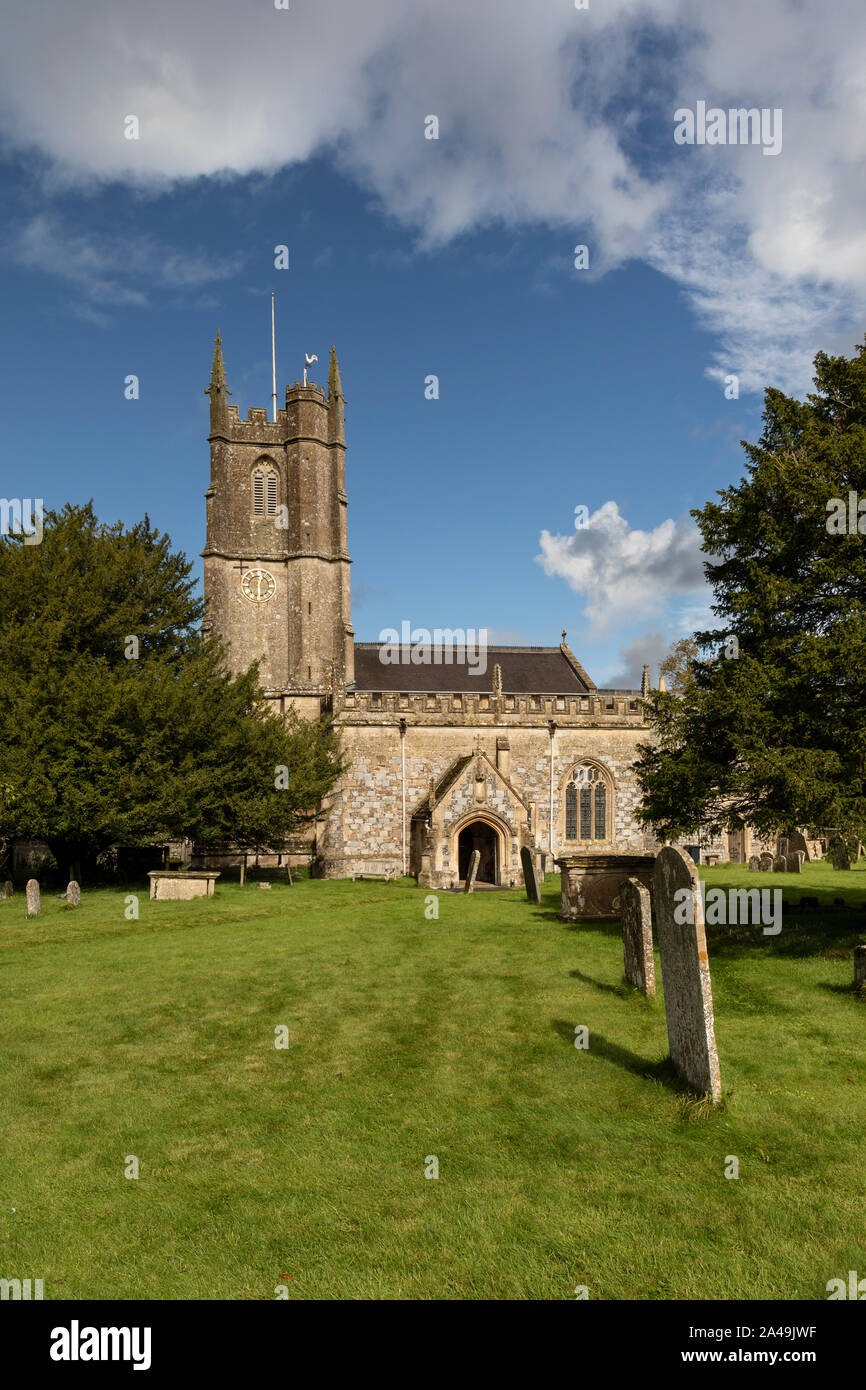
119,722
771,729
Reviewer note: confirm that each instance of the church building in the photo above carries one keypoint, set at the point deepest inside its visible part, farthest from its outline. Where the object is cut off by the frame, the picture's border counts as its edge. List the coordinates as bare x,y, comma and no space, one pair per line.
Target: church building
445,756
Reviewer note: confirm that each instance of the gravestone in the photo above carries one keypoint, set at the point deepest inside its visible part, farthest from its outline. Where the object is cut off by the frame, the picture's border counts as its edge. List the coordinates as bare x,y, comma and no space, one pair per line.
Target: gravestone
686,971
538,860
637,935
784,847
860,967
797,840
73,894
780,864
34,897
527,860
264,885
795,862
766,861
754,863
839,853
475,860
7,889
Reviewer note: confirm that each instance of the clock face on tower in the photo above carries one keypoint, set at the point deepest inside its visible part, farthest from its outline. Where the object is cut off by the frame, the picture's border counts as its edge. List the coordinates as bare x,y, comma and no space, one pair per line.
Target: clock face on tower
258,585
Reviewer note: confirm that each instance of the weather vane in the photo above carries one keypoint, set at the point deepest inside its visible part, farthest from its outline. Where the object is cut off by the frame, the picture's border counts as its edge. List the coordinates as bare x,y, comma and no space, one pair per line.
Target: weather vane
310,359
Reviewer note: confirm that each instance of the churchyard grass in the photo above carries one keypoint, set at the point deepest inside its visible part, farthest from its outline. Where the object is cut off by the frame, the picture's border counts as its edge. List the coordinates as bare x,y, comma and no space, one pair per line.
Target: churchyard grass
409,1038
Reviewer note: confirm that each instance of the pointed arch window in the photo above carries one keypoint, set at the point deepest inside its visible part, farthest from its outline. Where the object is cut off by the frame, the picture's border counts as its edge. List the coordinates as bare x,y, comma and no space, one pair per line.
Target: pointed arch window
587,804
265,491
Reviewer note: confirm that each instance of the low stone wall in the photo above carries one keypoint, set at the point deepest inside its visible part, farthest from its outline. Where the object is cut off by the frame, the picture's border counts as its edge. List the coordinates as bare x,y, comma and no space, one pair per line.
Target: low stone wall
166,883
591,882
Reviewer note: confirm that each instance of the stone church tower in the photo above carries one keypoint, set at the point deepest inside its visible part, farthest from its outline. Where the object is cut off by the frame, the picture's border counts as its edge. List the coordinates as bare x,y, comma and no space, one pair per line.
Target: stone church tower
276,560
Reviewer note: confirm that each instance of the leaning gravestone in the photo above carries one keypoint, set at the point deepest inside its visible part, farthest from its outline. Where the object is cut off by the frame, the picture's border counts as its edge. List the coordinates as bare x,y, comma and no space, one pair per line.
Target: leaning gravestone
475,860
34,897
860,967
73,894
527,860
839,853
795,862
754,863
766,861
784,847
686,971
6,889
780,864
637,935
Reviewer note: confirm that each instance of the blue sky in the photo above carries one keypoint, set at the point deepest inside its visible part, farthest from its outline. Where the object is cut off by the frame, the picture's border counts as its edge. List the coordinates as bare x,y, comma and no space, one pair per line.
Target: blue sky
558,386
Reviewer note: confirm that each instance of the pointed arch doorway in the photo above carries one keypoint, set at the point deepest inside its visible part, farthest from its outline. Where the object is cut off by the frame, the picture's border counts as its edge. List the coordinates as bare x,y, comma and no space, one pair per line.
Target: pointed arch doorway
481,836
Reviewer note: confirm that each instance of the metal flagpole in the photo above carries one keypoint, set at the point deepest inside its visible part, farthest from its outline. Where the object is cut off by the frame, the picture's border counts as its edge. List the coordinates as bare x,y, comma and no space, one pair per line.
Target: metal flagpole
273,362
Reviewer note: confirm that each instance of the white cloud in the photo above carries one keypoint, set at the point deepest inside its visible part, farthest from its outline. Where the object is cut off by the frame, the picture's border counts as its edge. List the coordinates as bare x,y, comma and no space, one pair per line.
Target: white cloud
548,116
626,575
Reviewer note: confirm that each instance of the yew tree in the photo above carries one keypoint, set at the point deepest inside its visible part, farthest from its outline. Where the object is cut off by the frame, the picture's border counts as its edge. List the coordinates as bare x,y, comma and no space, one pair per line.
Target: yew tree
771,727
120,723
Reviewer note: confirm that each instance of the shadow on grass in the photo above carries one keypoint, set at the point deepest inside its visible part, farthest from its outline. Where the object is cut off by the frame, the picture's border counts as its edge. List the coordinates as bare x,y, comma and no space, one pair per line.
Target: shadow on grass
623,990
852,990
802,934
662,1072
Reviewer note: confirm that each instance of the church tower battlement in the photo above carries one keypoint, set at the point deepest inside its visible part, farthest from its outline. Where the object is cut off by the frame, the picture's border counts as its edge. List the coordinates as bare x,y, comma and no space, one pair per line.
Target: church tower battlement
276,560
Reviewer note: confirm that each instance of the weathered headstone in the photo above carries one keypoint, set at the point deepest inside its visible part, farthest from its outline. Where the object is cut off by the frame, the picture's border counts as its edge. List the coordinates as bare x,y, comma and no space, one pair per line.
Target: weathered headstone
754,863
538,859
474,861
780,864
839,853
637,935
686,971
73,894
795,862
766,861
264,885
860,967
34,897
527,861
797,840
783,848
7,889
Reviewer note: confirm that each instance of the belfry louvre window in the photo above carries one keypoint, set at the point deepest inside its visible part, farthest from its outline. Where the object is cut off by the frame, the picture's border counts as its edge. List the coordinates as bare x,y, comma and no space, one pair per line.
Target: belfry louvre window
265,492
586,805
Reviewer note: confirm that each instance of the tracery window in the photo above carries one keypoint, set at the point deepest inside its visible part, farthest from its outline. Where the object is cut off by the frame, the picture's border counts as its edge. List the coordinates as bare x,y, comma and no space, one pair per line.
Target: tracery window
586,804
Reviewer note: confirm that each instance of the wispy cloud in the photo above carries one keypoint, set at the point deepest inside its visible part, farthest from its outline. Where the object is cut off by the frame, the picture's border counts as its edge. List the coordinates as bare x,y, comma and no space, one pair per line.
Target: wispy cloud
113,271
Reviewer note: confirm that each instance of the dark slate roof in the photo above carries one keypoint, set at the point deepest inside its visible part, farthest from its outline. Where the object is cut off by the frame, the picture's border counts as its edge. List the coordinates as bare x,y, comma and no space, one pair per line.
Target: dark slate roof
525,670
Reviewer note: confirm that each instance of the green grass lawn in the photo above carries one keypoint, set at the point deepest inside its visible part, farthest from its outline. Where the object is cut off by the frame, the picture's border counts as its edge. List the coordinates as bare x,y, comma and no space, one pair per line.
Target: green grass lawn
305,1167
